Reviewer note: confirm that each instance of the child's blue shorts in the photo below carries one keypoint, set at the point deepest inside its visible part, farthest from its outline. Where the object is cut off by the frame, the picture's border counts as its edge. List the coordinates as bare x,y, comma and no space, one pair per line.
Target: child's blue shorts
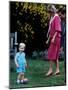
20,69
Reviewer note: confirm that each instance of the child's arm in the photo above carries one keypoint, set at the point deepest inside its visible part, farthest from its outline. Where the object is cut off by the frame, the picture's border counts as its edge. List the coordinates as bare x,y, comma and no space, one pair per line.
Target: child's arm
16,63
25,61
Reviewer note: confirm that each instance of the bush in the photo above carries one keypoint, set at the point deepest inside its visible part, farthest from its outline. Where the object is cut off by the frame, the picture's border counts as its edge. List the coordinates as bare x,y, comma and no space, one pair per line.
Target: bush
41,54
45,54
35,54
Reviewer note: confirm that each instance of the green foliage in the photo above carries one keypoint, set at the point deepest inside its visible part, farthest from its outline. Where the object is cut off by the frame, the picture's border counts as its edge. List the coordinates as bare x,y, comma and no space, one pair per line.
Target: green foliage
31,20
32,10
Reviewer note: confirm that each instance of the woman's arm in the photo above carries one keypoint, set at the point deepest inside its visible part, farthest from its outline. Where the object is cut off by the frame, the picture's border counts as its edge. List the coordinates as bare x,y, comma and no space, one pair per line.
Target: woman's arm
53,39
48,40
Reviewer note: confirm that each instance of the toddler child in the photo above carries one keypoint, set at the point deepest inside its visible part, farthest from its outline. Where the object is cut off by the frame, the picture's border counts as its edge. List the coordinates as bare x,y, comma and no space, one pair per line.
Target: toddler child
21,64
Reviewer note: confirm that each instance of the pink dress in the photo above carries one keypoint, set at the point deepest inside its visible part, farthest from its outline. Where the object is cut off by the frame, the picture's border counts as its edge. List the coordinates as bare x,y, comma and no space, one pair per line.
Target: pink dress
55,26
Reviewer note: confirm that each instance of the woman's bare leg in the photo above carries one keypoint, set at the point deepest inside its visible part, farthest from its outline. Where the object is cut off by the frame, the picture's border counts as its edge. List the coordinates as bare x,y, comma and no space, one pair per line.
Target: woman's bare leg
57,67
50,69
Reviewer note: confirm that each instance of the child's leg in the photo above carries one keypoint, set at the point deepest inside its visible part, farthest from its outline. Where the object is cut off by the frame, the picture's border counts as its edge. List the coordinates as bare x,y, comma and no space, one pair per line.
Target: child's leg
23,79
19,78
50,69
22,76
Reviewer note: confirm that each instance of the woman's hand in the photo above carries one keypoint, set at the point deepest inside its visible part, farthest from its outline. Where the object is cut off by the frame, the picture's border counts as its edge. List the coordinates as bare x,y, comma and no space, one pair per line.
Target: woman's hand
47,41
52,41
47,35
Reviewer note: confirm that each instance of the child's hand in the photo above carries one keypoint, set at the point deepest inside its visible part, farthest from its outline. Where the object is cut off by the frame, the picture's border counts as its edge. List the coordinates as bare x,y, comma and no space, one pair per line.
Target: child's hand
26,65
17,65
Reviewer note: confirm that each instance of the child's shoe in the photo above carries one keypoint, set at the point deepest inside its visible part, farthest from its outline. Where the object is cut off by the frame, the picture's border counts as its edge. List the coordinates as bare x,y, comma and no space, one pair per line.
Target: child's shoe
18,81
25,81
22,81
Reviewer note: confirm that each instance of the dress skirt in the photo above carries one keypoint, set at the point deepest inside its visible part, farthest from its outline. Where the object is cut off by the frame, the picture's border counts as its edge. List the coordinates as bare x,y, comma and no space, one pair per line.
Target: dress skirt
53,51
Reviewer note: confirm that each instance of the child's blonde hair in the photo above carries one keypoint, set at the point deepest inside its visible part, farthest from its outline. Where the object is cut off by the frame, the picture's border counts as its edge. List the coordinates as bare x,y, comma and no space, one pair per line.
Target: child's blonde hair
22,45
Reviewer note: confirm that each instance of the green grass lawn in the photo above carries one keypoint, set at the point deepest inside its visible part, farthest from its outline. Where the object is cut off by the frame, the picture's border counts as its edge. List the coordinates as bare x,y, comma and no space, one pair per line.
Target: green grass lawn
36,74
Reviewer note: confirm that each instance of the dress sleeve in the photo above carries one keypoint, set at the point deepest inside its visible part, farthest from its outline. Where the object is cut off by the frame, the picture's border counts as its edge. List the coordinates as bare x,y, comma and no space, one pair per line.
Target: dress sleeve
57,24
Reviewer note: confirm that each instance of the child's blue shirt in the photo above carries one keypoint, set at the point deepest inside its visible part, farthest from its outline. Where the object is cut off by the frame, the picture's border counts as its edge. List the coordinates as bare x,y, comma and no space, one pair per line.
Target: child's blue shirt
20,57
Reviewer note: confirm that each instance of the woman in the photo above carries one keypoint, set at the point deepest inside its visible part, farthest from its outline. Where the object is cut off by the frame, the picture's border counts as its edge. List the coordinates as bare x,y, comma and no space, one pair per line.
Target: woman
55,38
